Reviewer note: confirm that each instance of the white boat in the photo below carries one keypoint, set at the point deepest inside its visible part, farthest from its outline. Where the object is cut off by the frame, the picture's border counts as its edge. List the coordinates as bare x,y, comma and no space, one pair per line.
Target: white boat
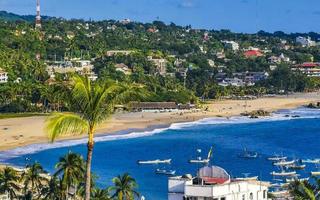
293,173
279,193
253,178
200,160
277,158
166,172
290,180
315,173
248,154
314,161
284,163
296,166
151,162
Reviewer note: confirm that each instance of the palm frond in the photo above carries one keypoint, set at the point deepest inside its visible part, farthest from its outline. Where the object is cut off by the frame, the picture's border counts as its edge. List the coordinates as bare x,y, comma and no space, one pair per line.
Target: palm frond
59,124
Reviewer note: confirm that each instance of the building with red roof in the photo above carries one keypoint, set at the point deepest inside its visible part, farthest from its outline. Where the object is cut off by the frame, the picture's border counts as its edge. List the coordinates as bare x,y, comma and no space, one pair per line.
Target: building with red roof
252,53
311,69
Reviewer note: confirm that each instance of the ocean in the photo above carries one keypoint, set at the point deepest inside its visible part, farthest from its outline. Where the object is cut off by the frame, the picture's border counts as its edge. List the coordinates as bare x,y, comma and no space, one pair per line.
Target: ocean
282,134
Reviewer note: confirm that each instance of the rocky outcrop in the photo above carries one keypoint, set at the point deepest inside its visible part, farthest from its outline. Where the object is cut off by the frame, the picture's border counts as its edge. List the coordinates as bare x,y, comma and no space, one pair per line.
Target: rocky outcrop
256,113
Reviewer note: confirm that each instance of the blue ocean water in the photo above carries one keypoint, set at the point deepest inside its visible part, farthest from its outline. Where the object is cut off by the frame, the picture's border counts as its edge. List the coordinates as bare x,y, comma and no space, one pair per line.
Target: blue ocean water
113,155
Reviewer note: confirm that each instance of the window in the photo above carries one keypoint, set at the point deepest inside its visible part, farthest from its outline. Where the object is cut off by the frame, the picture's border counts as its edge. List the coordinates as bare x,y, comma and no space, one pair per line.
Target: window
243,197
251,196
222,198
264,194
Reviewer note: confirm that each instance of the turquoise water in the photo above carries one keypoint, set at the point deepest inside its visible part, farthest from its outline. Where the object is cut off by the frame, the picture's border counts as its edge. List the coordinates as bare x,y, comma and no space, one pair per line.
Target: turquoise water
113,155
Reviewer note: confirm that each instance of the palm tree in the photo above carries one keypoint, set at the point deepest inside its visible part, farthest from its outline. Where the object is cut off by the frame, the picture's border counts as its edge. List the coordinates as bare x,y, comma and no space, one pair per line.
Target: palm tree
92,104
54,190
72,169
9,182
301,190
99,194
33,178
124,187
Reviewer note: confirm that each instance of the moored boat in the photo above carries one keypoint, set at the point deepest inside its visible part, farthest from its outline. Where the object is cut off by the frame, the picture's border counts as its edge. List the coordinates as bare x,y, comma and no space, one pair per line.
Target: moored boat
284,163
248,154
277,158
158,161
283,173
315,173
166,172
253,178
314,161
200,160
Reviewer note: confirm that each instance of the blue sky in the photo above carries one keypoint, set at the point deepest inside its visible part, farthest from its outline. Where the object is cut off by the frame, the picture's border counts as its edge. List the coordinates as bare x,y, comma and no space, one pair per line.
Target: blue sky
236,15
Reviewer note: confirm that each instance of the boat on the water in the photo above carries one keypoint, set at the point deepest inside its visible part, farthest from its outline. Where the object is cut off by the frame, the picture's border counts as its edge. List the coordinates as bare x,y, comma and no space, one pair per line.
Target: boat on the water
315,173
313,161
152,162
290,180
284,163
253,178
283,173
296,166
248,154
199,160
166,172
279,193
277,158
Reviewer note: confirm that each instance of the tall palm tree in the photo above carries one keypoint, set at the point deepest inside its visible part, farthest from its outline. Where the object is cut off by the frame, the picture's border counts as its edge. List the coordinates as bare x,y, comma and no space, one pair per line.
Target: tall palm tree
92,104
33,178
9,182
71,168
124,187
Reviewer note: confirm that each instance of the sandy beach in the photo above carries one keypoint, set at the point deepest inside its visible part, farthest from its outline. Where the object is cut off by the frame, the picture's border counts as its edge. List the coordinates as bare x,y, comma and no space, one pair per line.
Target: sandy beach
16,132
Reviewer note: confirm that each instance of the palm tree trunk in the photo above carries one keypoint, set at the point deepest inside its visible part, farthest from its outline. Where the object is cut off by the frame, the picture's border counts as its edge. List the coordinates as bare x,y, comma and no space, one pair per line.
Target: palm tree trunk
89,159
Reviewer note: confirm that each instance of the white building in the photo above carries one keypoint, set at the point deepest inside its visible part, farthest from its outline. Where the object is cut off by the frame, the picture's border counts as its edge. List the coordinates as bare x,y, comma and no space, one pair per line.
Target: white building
232,45
123,68
305,41
160,63
311,69
3,76
232,82
118,52
214,183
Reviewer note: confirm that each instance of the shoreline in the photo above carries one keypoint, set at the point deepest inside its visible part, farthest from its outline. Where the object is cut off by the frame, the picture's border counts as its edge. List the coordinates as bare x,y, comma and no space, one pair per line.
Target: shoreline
20,132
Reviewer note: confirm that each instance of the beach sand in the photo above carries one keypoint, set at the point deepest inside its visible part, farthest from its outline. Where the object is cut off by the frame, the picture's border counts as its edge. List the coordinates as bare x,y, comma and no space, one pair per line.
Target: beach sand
16,132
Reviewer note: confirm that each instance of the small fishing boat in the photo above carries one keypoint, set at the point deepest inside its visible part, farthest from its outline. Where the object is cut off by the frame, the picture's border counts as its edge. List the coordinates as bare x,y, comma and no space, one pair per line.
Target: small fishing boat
248,154
279,193
315,173
284,163
290,180
152,162
283,173
277,158
166,172
253,178
296,166
313,161
199,160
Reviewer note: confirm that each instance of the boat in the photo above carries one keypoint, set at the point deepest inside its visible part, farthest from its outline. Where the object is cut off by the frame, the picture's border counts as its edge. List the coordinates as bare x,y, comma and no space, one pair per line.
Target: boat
166,172
152,162
283,173
315,173
314,161
248,154
277,158
253,178
290,180
296,166
199,160
284,163
280,193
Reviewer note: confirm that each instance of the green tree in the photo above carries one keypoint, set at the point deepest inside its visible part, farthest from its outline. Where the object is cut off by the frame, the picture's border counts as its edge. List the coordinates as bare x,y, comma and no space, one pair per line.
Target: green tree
124,187
9,182
303,190
33,178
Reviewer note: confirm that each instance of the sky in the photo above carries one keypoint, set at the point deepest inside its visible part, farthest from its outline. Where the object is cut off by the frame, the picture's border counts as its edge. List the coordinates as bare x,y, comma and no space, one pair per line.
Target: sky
237,15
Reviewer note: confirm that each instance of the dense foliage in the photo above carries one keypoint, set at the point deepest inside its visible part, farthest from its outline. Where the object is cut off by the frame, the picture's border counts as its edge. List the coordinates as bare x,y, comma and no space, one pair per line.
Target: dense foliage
61,39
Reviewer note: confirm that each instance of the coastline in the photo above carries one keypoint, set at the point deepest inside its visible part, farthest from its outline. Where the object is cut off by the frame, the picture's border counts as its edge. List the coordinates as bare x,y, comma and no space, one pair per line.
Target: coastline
19,132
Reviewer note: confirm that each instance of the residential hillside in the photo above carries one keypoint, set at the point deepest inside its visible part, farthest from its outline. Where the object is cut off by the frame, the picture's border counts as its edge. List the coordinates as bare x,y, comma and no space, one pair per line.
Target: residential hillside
173,63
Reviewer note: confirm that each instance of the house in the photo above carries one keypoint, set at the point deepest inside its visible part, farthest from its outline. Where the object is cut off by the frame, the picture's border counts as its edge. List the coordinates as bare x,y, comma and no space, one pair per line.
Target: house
278,59
231,82
305,41
145,106
123,68
311,69
221,55
3,76
214,183
231,45
160,63
250,78
253,53
118,52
